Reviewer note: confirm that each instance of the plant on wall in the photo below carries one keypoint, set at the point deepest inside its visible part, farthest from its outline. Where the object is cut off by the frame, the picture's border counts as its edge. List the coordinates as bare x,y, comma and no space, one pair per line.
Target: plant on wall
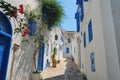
54,60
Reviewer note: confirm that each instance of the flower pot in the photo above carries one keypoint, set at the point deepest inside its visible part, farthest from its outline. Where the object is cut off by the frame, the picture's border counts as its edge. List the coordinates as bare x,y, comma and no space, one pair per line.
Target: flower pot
32,27
54,64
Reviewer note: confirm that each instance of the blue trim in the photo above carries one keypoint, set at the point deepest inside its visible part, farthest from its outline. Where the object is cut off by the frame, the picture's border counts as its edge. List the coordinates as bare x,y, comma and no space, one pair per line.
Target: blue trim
90,33
5,35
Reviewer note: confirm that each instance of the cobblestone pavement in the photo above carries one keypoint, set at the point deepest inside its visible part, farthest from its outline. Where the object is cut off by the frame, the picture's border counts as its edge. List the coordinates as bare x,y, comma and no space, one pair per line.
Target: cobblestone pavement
66,70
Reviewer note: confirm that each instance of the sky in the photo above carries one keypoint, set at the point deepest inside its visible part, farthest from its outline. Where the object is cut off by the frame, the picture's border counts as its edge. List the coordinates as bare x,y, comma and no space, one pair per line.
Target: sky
69,22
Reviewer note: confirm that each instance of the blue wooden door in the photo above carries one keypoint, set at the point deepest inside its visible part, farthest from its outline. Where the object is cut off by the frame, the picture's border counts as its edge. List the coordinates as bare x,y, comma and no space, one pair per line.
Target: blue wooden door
40,58
5,41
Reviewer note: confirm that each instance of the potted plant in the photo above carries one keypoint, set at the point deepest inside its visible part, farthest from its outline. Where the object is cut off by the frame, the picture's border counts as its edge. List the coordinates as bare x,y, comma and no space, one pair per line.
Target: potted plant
58,61
54,61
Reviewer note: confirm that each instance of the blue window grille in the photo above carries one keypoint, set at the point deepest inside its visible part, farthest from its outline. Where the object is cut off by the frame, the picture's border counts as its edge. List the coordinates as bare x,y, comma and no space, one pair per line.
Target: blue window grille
69,40
84,39
67,50
90,34
92,62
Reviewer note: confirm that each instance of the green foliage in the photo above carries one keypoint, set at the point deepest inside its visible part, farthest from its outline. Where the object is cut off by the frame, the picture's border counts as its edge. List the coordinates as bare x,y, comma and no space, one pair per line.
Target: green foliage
58,61
84,76
52,12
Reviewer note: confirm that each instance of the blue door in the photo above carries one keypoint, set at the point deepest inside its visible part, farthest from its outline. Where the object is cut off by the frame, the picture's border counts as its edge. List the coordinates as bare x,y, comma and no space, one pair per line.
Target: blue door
5,41
40,58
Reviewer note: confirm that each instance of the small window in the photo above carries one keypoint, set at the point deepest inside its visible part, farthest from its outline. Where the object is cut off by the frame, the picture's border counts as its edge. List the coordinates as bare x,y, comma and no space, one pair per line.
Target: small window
92,62
56,37
67,50
84,39
90,34
69,40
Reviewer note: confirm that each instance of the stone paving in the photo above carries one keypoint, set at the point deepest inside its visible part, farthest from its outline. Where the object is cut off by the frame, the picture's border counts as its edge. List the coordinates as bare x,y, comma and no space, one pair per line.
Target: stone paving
66,70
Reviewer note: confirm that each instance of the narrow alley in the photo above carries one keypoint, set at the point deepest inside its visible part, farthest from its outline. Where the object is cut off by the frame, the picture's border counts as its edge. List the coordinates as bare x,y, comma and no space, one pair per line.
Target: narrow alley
66,70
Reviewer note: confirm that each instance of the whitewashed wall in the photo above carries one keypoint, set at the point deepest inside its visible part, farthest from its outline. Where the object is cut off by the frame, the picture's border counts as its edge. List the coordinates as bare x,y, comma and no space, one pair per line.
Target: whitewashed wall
70,45
23,62
104,40
53,43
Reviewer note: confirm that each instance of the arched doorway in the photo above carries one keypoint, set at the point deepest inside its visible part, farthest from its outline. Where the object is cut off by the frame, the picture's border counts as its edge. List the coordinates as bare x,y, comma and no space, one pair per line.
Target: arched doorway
5,43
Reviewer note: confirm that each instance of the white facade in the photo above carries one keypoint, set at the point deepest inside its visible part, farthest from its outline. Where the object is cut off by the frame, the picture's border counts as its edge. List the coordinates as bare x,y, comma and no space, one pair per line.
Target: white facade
69,40
51,44
104,16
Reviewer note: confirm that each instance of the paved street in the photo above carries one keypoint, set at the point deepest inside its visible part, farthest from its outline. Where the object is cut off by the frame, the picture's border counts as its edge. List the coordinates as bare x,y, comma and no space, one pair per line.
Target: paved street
66,70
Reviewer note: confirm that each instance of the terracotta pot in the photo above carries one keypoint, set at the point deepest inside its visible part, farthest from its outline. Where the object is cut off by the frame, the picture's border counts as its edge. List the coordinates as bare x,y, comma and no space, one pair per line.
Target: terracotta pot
54,64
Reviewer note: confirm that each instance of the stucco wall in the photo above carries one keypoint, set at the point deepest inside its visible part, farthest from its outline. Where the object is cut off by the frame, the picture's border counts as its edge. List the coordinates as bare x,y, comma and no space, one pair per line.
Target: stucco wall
105,16
110,25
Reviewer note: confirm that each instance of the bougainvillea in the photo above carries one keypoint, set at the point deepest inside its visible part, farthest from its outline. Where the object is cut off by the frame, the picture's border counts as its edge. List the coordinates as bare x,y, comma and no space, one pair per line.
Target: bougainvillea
21,8
25,31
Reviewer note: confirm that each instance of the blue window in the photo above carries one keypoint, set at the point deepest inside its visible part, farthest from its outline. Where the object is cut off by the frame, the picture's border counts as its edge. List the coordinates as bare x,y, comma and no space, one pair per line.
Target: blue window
84,39
69,40
86,0
92,62
90,34
67,50
77,17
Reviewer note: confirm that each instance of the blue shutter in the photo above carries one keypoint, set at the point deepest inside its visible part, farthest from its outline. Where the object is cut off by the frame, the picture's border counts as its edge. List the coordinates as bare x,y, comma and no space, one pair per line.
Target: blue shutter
67,50
92,62
90,34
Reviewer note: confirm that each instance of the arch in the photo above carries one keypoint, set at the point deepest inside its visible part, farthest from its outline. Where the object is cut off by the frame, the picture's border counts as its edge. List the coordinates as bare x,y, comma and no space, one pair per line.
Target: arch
5,44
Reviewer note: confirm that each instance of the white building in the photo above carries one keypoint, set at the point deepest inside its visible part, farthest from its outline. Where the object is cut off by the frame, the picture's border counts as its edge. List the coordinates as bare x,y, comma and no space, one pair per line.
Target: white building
69,40
54,40
98,23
